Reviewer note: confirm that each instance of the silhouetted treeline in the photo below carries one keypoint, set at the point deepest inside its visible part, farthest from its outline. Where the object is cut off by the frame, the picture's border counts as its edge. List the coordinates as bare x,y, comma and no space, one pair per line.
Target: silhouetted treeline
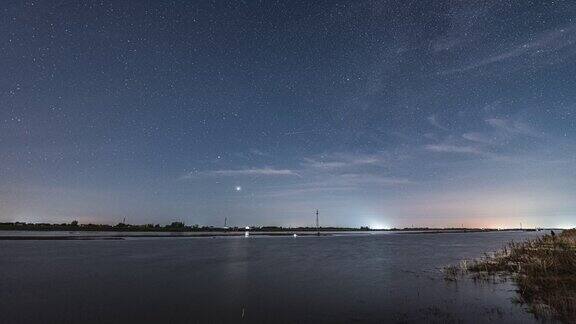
173,227
181,227
75,226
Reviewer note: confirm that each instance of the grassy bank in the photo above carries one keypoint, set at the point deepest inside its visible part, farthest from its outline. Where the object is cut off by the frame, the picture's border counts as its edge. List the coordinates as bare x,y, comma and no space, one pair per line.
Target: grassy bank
544,270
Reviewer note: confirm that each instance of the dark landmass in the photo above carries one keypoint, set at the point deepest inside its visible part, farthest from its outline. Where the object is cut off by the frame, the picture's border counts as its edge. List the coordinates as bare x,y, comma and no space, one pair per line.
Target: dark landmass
454,230
58,238
544,269
71,231
181,227
173,227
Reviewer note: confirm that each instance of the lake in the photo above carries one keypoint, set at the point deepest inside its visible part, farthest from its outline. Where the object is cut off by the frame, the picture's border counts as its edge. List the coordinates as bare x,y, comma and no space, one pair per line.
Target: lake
341,278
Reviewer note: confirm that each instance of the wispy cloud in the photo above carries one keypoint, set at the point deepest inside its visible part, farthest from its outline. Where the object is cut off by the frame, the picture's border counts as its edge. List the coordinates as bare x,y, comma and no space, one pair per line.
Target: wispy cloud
449,148
342,160
266,171
550,41
320,174
502,131
262,171
434,121
494,135
366,179
478,137
317,164
513,127
258,152
341,183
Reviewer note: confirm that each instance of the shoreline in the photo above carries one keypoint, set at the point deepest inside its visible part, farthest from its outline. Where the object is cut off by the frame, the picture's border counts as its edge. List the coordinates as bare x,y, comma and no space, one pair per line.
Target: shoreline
543,269
128,235
30,235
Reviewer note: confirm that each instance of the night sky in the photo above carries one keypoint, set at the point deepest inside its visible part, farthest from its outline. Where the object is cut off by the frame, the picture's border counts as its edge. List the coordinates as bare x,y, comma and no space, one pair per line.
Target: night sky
378,113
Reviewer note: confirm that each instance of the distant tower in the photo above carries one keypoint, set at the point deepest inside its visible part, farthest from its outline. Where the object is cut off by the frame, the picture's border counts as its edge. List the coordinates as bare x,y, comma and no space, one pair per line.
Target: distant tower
225,222
317,224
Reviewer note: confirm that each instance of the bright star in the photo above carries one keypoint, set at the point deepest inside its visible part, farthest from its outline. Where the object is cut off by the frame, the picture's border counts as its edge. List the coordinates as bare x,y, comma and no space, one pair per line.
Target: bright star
238,188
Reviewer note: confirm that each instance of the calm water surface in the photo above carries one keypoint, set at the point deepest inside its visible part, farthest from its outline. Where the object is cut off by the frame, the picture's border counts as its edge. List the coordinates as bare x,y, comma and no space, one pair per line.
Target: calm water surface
367,278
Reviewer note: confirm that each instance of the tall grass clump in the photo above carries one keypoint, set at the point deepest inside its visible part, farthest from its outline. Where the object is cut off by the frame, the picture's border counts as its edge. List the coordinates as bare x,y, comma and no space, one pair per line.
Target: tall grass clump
544,270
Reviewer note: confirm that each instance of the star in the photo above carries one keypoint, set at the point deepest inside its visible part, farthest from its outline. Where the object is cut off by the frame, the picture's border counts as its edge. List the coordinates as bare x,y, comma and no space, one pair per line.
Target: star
238,188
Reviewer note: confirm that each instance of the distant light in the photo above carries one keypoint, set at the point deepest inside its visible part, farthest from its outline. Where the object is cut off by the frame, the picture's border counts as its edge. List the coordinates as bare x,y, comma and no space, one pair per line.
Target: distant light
378,226
238,188
247,227
295,235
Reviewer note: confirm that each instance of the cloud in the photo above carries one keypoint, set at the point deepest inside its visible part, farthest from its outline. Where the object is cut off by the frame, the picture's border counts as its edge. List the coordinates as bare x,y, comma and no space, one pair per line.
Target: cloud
546,42
478,137
266,171
324,164
434,121
365,179
261,171
258,152
512,127
336,183
449,148
499,133
323,174
342,160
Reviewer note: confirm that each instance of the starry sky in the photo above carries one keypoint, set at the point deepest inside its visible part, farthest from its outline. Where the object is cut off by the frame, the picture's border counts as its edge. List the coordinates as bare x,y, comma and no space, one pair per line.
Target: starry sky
377,113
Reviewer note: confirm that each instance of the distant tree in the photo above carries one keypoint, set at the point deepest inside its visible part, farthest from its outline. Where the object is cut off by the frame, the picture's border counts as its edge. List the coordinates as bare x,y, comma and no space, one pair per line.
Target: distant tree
176,225
74,223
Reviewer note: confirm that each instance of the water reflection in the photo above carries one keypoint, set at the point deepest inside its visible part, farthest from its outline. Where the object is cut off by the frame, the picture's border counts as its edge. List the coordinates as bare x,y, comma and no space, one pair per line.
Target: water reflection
369,278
